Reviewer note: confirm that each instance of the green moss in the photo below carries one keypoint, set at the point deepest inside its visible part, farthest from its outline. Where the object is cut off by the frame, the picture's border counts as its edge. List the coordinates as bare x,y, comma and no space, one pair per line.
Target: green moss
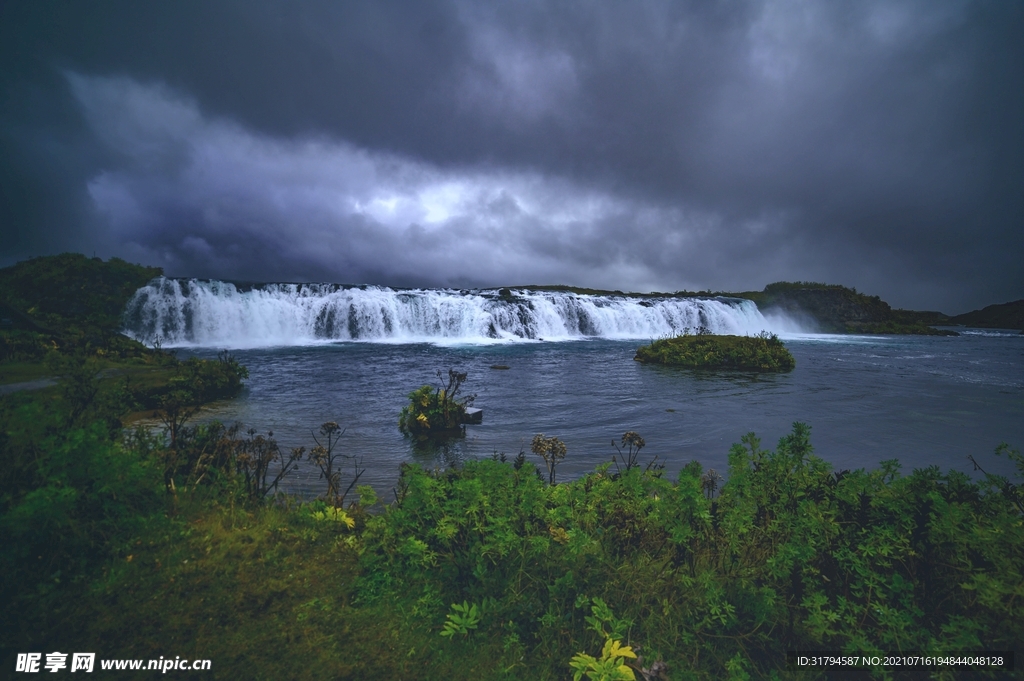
764,352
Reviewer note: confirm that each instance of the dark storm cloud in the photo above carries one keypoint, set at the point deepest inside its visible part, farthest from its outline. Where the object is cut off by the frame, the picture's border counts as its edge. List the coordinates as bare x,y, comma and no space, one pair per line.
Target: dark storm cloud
618,145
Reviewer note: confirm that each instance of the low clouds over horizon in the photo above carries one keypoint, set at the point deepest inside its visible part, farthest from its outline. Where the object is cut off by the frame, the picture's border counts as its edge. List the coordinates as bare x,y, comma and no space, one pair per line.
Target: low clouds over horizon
650,146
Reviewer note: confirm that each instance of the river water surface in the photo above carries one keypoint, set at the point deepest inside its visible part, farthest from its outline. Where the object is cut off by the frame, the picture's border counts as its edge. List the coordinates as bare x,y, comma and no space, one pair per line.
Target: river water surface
924,400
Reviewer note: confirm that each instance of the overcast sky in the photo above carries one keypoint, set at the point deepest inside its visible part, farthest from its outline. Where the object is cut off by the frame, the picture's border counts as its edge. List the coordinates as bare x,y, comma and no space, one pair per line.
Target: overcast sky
618,145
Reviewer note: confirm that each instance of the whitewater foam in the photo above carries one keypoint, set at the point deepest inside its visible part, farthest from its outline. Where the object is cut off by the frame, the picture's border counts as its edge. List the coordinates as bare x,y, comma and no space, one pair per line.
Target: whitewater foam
176,313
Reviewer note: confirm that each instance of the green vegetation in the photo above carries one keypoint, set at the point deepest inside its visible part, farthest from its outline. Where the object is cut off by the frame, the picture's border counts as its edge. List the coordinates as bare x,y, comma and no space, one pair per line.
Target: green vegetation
69,303
71,288
436,412
488,571
62,317
611,666
61,314
75,488
764,352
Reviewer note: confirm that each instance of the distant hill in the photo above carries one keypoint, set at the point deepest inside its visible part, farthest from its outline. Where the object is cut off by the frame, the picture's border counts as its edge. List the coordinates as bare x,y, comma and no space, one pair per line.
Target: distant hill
838,309
1002,316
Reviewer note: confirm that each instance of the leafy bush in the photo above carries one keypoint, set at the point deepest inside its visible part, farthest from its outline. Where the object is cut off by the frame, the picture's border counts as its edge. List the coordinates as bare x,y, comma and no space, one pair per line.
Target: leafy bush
72,497
610,667
764,352
791,555
461,620
436,412
193,383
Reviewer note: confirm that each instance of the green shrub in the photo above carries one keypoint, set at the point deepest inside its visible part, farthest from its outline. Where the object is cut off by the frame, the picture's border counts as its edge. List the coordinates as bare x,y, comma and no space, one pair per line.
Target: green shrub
705,581
72,498
791,555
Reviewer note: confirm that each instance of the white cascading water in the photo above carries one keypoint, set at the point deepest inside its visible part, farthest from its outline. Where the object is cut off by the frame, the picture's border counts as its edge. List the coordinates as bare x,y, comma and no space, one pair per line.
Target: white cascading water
172,312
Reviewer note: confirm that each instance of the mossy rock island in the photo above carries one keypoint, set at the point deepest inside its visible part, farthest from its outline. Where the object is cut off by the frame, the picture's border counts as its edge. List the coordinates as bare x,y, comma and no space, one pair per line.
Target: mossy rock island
764,352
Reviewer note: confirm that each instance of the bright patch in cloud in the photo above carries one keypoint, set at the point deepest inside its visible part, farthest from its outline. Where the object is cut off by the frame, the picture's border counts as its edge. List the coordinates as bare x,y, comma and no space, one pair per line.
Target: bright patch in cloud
207,197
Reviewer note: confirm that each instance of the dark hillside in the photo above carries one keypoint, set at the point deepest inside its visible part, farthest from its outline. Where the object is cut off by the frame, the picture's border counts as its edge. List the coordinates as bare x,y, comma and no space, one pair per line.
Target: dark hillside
838,309
1003,316
71,288
68,303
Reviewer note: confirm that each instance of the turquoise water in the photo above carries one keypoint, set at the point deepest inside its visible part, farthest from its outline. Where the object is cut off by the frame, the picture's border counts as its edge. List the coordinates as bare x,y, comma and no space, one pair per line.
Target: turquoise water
923,400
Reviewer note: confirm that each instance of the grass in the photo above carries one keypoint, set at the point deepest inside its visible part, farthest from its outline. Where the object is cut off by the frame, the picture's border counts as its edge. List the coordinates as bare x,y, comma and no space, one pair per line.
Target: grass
20,372
265,593
145,375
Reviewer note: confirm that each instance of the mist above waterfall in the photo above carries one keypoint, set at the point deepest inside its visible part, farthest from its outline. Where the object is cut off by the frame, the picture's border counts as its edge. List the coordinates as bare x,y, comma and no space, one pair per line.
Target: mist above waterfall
172,312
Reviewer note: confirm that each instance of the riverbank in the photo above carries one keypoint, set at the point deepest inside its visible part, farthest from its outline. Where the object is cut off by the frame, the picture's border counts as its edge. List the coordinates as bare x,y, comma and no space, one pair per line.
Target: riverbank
61,324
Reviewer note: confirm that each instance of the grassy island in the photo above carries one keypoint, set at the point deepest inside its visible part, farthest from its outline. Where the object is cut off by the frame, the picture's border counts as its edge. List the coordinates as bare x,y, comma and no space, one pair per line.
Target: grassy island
764,352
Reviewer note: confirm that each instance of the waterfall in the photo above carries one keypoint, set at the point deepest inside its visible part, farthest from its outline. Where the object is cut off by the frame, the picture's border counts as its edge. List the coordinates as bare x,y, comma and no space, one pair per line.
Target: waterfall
173,312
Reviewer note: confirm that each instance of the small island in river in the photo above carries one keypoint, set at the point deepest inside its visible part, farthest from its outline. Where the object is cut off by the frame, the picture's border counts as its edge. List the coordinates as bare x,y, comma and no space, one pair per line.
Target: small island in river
764,352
